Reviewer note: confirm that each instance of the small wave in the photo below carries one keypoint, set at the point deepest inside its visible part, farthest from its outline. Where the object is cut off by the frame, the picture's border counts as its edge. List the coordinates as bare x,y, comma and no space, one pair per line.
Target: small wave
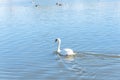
107,55
77,69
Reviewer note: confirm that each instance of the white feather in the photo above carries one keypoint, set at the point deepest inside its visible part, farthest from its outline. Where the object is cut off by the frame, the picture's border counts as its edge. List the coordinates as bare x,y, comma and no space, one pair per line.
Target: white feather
65,51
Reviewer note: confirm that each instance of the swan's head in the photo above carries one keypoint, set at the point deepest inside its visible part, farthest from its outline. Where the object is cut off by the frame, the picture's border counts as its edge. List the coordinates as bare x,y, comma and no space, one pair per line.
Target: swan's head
57,40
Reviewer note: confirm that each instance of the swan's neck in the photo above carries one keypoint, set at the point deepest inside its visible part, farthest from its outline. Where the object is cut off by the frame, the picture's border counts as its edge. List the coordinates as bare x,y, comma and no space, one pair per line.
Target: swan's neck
58,48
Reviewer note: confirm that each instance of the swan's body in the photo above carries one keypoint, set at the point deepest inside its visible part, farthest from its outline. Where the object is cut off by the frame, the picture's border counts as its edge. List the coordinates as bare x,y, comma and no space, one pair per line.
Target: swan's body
65,51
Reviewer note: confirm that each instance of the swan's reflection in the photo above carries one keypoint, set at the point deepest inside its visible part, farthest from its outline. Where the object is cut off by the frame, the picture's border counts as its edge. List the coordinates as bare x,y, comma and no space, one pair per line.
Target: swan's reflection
65,57
69,58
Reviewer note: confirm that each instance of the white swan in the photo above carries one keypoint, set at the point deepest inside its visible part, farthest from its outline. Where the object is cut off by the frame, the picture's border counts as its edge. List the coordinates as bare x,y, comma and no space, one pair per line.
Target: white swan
65,51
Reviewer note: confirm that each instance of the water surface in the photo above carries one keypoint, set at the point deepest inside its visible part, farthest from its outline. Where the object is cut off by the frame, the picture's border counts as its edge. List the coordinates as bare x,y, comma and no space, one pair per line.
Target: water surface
27,35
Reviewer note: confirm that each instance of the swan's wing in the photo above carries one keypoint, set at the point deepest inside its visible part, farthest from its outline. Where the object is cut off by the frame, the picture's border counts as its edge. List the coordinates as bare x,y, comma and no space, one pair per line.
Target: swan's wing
69,51
65,52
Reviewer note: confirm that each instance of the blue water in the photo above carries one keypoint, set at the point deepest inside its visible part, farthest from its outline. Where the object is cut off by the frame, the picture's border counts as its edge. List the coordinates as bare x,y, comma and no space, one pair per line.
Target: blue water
90,28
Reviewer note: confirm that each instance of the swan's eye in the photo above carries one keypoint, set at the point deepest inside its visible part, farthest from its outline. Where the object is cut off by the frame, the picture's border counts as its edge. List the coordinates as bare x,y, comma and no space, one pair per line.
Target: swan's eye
55,40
